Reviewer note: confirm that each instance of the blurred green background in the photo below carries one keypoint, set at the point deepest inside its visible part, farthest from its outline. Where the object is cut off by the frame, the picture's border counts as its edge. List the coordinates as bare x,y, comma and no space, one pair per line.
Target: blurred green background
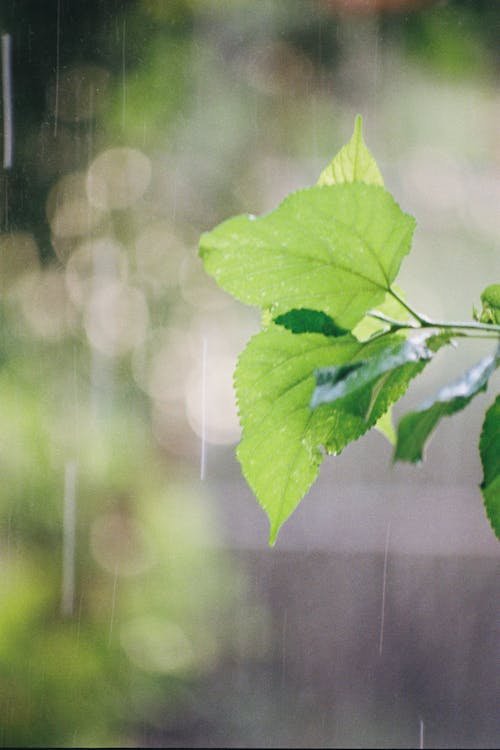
138,603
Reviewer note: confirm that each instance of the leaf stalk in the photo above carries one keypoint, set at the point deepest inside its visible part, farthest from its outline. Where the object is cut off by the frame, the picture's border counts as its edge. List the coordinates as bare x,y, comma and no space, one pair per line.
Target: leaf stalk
424,322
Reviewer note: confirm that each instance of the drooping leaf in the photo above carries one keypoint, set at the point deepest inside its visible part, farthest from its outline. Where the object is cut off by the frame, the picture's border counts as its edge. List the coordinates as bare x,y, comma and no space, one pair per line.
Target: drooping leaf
337,382
310,321
378,381
371,386
331,248
415,428
489,449
368,326
280,451
491,305
353,163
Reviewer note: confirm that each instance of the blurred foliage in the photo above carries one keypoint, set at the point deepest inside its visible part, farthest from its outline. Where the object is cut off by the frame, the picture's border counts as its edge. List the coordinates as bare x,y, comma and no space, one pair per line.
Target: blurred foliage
150,588
456,39
151,51
224,106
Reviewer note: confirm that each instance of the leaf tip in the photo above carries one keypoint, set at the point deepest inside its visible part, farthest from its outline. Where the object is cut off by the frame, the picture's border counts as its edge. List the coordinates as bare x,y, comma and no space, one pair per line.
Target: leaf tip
405,450
273,534
358,127
403,458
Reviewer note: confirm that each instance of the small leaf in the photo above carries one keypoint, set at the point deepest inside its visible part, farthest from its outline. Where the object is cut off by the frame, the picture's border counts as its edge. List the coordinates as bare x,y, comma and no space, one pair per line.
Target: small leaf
310,321
415,428
333,248
353,163
333,384
489,449
491,305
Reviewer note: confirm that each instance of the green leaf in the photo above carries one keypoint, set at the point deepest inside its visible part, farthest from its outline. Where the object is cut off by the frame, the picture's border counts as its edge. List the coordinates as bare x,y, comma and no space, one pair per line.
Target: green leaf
333,248
334,384
491,305
310,321
415,428
280,451
353,163
489,449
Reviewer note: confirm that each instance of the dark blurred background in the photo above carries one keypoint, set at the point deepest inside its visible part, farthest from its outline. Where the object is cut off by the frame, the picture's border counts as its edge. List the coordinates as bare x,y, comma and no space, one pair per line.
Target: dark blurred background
139,603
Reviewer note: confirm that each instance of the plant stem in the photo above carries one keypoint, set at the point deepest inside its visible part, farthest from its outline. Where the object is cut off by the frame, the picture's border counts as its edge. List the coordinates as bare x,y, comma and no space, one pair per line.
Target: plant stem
478,331
461,326
425,322
420,318
395,324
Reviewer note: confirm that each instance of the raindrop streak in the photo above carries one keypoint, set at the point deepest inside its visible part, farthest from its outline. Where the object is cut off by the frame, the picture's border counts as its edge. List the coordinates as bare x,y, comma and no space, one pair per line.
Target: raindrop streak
58,45
69,529
90,139
76,401
124,85
421,741
384,585
283,647
8,121
113,605
203,459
